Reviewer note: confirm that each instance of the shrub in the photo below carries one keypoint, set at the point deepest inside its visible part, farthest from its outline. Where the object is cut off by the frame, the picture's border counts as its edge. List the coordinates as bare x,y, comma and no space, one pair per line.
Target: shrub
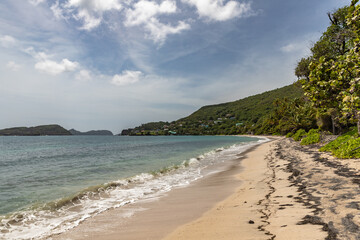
349,149
344,146
337,143
334,145
289,134
313,131
299,134
312,137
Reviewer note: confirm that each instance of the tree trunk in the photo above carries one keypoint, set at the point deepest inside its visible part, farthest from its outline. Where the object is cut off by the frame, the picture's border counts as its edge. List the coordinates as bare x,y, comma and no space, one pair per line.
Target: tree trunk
333,124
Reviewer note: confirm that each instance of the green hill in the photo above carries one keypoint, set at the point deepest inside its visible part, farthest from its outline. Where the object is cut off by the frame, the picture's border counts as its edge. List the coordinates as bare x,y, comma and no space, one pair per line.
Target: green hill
247,109
35,131
226,118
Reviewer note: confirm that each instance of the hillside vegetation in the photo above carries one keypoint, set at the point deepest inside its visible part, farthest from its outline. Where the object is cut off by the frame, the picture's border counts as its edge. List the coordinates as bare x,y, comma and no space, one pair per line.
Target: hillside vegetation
249,109
227,118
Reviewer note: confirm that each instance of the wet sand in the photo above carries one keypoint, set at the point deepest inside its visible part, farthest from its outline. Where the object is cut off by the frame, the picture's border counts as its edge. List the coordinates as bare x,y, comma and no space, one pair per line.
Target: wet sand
278,190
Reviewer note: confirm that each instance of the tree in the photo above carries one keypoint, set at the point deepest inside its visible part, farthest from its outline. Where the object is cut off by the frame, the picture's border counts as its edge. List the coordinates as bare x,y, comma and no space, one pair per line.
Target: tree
322,88
331,85
337,40
302,69
334,80
348,69
288,115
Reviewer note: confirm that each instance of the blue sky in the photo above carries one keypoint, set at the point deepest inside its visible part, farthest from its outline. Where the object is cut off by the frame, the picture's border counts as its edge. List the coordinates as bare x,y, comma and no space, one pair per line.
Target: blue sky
114,64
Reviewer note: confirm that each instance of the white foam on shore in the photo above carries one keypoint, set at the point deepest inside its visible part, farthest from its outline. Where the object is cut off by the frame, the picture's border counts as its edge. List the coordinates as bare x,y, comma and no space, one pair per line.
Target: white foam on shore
41,223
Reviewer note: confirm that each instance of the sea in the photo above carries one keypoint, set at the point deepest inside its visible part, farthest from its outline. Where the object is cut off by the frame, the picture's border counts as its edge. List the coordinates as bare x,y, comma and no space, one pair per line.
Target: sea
49,184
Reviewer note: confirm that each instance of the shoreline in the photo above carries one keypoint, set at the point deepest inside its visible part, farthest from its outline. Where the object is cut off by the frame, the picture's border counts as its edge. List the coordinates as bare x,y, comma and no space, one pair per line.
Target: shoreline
56,216
150,218
275,190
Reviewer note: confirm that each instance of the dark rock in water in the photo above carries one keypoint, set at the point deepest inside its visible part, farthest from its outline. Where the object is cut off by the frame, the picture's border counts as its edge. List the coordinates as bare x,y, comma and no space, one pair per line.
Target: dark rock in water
44,130
92,132
251,222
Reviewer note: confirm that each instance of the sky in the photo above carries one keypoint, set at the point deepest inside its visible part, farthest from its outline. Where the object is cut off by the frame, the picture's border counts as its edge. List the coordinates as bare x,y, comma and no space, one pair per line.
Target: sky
115,64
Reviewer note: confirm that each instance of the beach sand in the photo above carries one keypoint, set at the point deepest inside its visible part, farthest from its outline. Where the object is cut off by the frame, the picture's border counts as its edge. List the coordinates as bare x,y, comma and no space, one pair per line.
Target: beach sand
278,190
262,208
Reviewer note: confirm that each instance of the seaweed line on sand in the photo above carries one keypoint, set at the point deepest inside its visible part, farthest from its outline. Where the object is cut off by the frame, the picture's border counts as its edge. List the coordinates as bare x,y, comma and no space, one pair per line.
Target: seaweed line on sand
310,201
265,213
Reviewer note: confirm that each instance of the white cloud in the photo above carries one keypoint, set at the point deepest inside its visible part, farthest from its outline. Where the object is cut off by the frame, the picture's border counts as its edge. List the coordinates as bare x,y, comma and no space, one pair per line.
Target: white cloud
36,2
290,48
57,10
90,12
44,64
89,20
300,47
95,5
218,11
158,31
126,78
83,75
54,68
145,10
145,13
7,41
13,66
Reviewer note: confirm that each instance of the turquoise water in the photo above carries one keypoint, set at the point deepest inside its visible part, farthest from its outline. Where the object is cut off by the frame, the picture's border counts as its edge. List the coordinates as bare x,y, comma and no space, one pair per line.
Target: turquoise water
36,171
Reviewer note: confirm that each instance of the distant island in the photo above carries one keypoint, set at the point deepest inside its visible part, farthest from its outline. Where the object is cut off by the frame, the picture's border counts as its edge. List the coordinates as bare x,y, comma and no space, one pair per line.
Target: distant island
43,130
50,130
92,132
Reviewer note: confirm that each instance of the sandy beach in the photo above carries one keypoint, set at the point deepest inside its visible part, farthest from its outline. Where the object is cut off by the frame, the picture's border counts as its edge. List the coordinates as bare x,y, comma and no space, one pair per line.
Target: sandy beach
278,190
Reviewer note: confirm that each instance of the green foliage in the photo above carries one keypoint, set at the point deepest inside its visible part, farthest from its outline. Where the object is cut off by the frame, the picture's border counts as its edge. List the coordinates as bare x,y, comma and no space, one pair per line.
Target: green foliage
336,144
249,109
337,39
349,149
313,131
312,137
238,117
344,146
299,134
302,69
289,134
288,115
320,84
334,79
